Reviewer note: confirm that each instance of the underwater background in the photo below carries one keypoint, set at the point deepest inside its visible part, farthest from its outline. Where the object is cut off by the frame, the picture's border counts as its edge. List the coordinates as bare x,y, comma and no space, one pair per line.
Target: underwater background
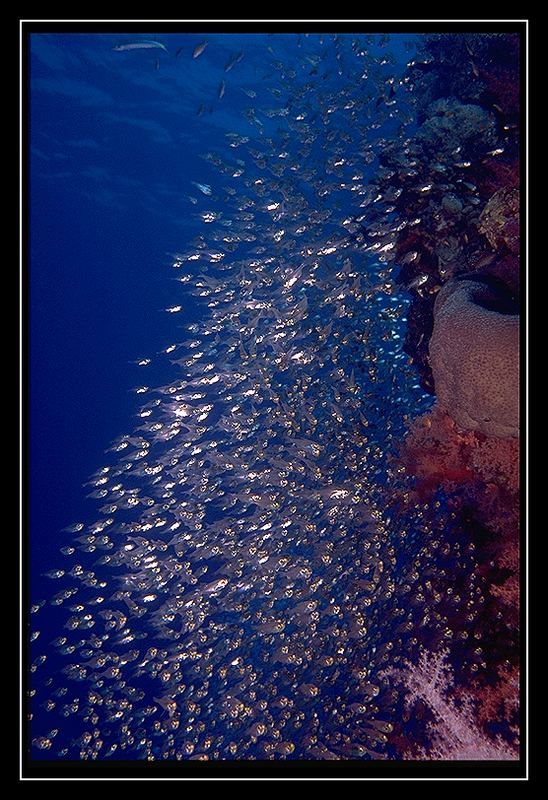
290,550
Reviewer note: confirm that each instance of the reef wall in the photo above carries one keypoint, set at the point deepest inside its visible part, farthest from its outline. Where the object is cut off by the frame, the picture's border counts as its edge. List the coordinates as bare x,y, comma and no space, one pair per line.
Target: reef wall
459,176
272,574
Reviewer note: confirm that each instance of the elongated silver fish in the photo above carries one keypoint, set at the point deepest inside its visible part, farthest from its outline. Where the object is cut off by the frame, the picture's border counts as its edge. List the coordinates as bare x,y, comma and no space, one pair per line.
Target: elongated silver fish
144,45
235,59
203,187
199,49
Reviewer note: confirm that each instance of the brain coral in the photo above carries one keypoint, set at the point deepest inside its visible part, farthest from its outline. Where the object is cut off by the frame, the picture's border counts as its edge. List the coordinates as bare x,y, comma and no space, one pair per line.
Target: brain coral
474,355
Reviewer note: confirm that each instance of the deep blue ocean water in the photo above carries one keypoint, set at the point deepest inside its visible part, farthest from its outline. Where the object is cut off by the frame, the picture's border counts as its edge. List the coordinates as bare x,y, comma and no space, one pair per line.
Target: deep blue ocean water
115,142
118,184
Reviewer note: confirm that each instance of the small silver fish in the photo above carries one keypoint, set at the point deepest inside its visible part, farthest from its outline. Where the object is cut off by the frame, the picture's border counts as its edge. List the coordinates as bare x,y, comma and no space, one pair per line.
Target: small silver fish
234,60
222,88
144,45
203,187
199,49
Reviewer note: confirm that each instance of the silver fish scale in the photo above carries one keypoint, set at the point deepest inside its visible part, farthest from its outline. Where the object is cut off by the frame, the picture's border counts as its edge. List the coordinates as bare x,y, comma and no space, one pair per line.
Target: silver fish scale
242,600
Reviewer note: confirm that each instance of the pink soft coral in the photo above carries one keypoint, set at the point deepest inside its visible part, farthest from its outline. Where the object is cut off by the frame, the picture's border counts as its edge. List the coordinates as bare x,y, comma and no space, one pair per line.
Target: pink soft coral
500,701
455,728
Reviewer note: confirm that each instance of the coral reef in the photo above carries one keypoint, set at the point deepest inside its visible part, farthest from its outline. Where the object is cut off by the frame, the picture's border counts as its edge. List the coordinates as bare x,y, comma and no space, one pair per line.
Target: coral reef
500,701
455,721
453,129
499,220
435,452
456,182
457,178
479,476
474,356
486,469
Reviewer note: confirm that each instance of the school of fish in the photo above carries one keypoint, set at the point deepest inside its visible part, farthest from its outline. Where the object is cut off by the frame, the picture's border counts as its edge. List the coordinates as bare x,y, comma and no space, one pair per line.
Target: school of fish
239,594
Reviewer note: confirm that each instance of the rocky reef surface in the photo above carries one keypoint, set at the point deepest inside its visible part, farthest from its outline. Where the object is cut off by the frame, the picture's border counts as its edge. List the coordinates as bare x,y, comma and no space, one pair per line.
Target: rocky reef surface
456,182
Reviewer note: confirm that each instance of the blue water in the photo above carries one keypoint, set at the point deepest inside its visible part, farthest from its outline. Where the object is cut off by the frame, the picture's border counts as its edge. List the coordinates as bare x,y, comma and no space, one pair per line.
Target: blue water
115,145
117,140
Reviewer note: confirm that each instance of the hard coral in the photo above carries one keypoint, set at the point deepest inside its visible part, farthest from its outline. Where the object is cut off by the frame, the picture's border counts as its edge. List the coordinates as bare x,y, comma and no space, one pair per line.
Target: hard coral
474,355
482,470
499,220
436,453
506,269
497,461
453,127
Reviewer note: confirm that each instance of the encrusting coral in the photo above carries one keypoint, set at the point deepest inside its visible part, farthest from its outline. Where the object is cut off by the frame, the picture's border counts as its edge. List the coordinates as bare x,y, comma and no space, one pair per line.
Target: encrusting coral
474,356
476,472
451,125
441,455
499,220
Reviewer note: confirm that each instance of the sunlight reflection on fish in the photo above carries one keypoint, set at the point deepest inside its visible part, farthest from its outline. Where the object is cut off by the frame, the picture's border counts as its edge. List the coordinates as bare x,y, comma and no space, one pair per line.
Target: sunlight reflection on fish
250,545
204,188
143,45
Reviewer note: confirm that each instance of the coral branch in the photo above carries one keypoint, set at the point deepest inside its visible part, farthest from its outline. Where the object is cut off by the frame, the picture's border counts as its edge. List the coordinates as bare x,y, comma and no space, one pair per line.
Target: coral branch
454,727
